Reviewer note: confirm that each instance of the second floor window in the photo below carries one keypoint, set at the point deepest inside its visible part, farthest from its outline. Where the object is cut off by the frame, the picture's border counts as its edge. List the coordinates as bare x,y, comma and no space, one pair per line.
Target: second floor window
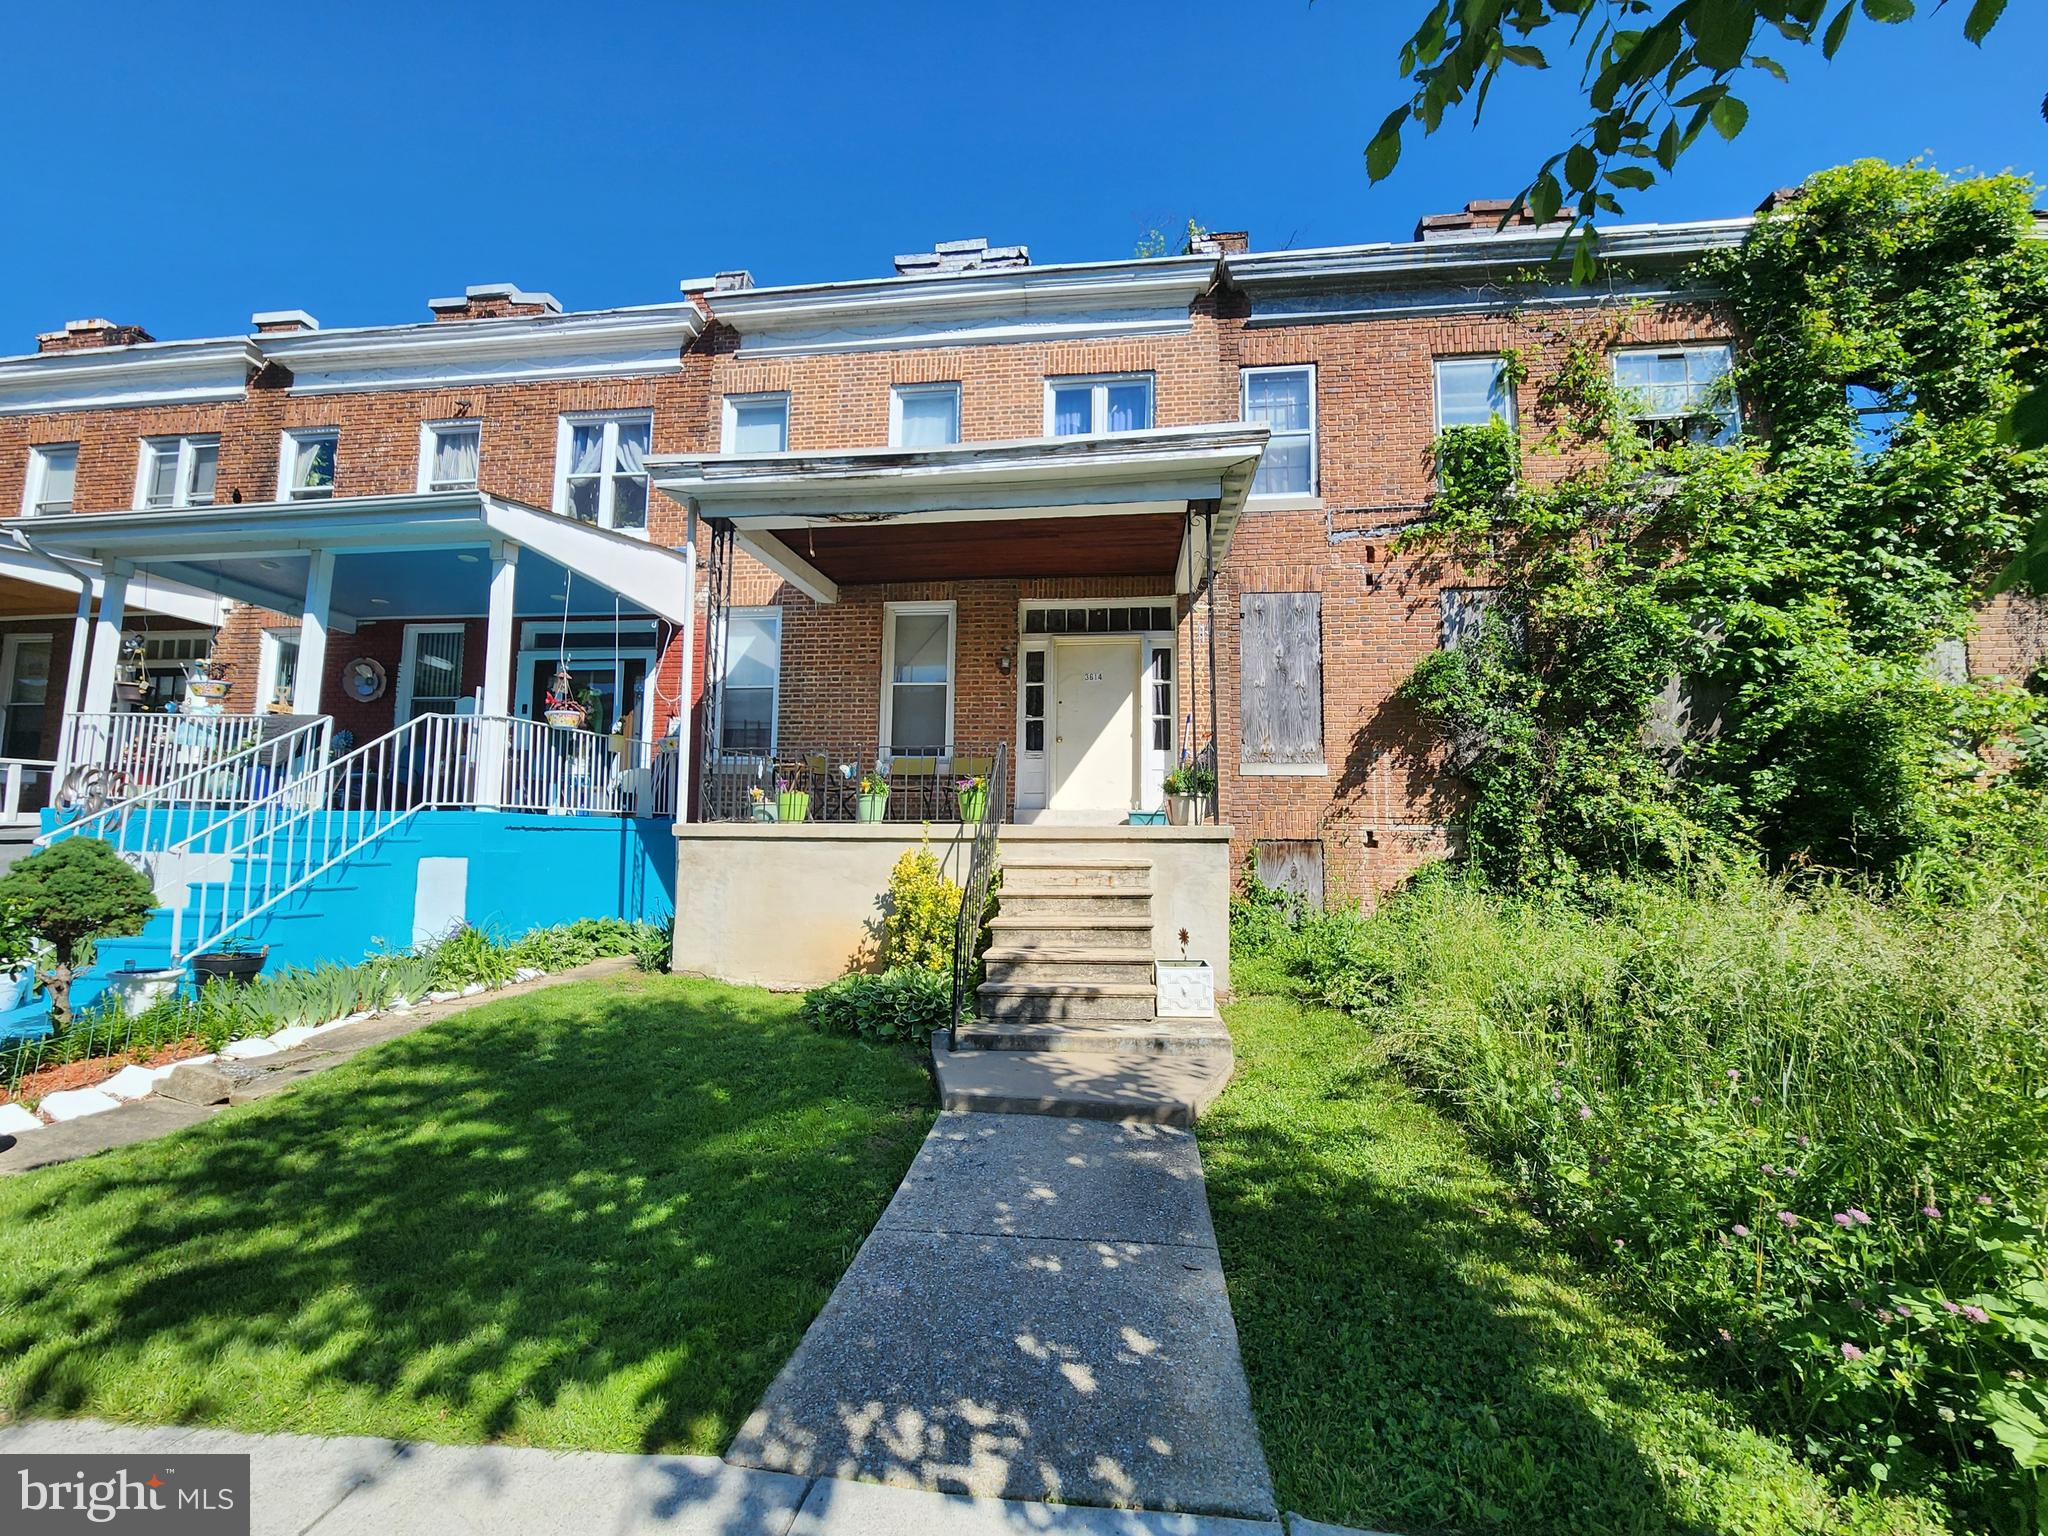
52,474
449,451
603,470
1680,393
924,415
1074,407
177,471
1283,400
308,469
756,423
1471,391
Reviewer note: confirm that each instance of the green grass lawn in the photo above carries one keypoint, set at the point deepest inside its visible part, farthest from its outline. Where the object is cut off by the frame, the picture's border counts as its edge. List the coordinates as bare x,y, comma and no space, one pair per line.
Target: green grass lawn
598,1216
1421,1358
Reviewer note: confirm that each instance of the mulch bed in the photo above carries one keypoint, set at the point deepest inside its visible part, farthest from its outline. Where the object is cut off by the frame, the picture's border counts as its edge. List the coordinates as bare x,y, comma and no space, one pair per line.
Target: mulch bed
90,1070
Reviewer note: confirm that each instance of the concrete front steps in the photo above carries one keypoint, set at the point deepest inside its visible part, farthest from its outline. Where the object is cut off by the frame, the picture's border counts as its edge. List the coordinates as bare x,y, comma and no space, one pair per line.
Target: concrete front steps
1066,1022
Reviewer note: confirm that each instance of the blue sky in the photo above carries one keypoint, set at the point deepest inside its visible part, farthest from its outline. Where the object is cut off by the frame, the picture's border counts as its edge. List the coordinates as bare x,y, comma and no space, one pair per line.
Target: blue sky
183,166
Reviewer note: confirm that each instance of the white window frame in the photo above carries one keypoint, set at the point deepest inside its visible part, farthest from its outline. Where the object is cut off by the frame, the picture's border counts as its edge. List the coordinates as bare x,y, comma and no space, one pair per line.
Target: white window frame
408,666
430,432
38,472
1098,398
288,457
898,393
1688,350
890,613
10,667
184,452
774,615
1436,370
608,476
729,415
1315,436
269,652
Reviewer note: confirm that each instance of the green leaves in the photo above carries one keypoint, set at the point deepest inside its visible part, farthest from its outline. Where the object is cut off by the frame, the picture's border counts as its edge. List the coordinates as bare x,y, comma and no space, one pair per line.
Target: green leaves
1890,12
1545,197
1384,152
1982,18
1729,115
1721,30
1580,167
1831,41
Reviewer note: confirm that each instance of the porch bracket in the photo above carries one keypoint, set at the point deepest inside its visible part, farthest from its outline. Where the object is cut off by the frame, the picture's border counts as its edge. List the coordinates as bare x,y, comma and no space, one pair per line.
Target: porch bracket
793,568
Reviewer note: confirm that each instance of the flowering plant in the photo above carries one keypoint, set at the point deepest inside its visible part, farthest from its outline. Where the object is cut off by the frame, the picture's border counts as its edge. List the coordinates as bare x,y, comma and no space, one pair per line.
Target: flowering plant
968,782
874,782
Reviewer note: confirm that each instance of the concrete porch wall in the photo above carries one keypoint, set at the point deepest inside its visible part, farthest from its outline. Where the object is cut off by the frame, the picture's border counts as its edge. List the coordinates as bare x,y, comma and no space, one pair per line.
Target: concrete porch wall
795,906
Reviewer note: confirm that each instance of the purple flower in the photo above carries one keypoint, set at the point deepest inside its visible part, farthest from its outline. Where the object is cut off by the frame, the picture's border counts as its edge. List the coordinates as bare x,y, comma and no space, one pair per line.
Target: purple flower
1585,1111
1851,1352
1984,1200
1767,1170
1904,1310
1739,1230
1861,1218
1842,1219
1799,1141
1726,1336
1884,1315
1976,1314
1734,1076
1931,1212
1556,1093
1787,1219
1756,1098
1950,1308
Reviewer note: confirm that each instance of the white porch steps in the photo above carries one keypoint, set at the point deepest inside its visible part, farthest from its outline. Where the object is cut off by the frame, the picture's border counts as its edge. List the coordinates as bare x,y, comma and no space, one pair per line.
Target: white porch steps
1066,1022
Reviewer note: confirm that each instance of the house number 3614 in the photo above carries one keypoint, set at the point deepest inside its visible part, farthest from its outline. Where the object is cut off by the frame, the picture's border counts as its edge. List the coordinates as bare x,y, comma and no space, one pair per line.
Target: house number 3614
1091,677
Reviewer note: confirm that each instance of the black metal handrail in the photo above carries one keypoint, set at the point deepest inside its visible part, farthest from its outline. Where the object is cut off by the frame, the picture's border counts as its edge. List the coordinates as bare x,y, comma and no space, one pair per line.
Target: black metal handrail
981,868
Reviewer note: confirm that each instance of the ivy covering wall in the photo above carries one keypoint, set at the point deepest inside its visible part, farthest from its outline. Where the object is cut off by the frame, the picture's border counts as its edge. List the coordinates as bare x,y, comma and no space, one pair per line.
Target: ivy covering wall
1711,652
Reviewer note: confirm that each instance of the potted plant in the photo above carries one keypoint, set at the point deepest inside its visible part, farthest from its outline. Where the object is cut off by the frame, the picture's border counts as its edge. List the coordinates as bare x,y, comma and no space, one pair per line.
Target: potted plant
1184,988
791,803
1189,788
871,796
208,680
69,894
564,710
233,959
973,791
758,808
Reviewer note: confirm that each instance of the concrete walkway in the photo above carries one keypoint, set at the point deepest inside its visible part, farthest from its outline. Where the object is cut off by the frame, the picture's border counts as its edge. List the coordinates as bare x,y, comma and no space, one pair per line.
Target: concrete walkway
1039,1314
368,1487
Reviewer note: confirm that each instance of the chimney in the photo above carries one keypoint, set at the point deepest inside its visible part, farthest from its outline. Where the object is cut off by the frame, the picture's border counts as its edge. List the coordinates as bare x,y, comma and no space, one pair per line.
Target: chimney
950,256
1222,242
83,335
736,281
1779,199
491,301
1481,216
282,322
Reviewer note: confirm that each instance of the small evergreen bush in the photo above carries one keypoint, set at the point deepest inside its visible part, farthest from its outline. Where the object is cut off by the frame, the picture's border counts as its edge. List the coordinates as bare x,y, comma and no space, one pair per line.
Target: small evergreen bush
922,909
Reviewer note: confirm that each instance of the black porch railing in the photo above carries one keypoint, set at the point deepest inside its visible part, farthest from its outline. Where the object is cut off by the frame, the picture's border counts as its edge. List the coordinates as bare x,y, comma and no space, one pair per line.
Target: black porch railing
981,868
853,782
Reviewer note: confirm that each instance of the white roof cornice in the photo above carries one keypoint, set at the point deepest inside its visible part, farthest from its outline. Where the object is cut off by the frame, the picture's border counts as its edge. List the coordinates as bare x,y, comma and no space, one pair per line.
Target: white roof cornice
1000,304
441,353
146,373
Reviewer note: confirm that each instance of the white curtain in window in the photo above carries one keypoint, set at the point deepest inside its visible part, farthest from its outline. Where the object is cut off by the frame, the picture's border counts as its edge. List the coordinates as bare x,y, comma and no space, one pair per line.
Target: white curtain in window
455,456
60,474
205,469
1130,407
760,426
929,418
629,487
1071,411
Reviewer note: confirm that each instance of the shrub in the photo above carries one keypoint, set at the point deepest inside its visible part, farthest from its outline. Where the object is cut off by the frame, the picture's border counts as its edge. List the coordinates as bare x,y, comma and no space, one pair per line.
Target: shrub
470,957
1804,1125
69,894
907,1003
922,909
654,945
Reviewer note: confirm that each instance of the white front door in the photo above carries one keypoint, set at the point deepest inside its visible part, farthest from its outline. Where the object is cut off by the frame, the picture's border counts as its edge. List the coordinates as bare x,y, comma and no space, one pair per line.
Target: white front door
1094,756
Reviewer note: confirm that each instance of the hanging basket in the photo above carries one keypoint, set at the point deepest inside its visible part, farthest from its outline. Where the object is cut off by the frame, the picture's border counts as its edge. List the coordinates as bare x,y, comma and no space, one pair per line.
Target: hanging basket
567,719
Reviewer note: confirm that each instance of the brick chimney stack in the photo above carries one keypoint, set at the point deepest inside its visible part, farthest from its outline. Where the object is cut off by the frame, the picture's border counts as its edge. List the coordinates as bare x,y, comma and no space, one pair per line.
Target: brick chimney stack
950,256
282,322
1222,242
1481,216
83,335
491,301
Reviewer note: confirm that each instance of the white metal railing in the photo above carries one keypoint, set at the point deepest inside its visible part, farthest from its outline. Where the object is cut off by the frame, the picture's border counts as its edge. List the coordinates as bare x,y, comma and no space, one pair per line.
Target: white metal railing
240,865
17,774
254,768
145,750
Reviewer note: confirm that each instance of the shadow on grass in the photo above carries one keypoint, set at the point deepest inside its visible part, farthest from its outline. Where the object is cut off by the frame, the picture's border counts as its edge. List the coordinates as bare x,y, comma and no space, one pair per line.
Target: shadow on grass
1420,1359
600,1216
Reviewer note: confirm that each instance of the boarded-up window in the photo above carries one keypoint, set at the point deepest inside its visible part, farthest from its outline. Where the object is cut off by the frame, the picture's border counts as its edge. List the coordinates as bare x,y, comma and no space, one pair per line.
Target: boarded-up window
1293,866
1280,650
1464,611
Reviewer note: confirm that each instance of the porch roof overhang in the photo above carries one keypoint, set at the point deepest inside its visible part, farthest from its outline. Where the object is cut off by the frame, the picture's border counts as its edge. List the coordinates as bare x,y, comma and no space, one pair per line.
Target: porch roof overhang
1104,504
33,584
412,556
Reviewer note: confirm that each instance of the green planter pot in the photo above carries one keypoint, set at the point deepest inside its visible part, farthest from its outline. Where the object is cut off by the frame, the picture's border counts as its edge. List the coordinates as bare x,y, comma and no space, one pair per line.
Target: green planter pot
872,807
793,805
973,804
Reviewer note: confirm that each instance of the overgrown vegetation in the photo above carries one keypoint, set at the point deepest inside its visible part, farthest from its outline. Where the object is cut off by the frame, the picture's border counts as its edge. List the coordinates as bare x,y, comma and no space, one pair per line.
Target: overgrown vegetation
1705,653
919,912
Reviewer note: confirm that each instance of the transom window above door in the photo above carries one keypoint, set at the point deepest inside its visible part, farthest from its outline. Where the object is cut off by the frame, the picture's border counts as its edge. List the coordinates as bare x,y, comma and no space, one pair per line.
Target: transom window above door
306,466
449,455
177,471
756,424
601,470
924,415
1110,403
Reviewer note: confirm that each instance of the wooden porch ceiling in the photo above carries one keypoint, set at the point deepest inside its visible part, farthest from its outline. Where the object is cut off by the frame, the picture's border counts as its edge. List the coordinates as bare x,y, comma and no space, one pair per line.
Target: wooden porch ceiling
857,554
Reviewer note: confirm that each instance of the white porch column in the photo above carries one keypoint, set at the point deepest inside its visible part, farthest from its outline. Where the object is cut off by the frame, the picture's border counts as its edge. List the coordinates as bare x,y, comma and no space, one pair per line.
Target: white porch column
74,683
683,763
313,633
500,632
106,638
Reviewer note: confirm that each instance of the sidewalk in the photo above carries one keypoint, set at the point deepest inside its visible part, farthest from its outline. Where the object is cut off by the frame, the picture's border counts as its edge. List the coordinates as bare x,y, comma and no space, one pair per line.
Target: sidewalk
367,1487
1039,1314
